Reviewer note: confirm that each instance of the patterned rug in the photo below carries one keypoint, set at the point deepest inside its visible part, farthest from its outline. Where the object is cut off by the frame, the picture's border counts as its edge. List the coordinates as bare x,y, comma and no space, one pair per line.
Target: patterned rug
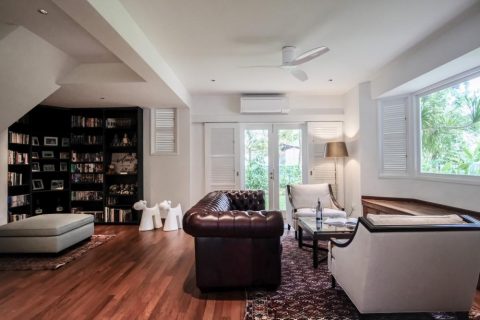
18,262
306,293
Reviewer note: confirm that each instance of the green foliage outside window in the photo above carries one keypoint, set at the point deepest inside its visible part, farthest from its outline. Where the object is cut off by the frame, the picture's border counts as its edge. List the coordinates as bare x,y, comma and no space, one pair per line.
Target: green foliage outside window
450,132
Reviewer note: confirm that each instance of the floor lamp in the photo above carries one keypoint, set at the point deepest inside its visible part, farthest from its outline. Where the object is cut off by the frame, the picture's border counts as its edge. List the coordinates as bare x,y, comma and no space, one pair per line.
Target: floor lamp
335,150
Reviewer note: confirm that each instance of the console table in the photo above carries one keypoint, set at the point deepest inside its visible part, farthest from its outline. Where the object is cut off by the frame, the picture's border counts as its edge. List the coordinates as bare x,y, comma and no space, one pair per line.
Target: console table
385,205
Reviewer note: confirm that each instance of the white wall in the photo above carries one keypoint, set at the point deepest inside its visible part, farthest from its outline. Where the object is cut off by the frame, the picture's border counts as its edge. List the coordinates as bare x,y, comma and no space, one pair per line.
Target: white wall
197,162
452,194
168,177
352,163
30,68
226,108
3,177
454,40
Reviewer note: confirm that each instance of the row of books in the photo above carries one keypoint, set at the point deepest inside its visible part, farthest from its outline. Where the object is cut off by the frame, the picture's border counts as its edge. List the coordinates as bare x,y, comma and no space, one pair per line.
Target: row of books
18,216
119,123
86,168
86,139
86,157
87,195
15,179
87,178
114,215
19,200
84,122
20,138
15,157
123,200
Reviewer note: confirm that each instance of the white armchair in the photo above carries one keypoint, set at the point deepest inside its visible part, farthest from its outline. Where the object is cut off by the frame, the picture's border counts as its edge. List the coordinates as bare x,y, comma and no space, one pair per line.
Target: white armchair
402,264
303,199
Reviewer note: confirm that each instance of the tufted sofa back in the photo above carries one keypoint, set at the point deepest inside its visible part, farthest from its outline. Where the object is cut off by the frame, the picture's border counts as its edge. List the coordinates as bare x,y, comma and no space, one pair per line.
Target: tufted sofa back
244,200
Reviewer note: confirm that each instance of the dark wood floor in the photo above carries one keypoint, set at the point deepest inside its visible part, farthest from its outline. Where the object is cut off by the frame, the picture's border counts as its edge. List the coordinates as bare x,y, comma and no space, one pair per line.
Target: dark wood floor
148,275
134,276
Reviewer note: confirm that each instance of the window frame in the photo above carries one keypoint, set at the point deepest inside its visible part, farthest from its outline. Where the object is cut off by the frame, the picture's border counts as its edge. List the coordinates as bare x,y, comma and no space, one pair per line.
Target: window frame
153,152
417,122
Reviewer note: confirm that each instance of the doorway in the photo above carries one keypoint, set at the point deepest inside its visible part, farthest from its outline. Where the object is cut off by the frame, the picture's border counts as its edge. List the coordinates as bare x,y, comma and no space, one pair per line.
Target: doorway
273,156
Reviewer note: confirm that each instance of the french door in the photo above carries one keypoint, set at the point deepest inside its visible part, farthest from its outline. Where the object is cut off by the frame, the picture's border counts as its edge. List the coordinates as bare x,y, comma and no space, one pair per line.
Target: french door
272,156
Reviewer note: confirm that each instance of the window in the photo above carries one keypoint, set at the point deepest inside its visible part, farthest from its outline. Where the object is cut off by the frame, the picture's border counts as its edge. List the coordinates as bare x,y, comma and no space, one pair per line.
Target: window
450,129
163,131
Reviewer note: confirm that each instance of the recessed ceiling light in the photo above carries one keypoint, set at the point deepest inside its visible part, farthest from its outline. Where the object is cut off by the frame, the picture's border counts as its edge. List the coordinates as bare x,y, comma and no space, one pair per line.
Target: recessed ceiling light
43,11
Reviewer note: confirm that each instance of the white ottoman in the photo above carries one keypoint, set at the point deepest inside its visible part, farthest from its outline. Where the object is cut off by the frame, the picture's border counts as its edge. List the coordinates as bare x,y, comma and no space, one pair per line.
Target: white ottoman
48,233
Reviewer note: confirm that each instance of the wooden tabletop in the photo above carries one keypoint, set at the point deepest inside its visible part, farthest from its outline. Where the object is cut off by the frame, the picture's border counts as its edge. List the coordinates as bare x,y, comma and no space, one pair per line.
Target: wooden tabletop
411,206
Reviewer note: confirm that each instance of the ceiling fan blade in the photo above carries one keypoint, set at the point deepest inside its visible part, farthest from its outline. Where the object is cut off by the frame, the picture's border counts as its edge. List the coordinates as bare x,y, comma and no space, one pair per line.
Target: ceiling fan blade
309,55
299,74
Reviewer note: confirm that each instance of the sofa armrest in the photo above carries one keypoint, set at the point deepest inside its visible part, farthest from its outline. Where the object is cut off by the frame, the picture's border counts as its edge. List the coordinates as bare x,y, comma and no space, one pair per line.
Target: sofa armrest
234,224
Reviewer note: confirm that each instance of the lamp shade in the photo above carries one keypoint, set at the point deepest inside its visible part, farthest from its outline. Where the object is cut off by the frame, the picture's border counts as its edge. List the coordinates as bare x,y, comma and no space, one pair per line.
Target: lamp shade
335,150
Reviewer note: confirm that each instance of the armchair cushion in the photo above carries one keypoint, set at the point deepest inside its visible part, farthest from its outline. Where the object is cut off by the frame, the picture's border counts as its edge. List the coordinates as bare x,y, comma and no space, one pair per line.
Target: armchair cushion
306,195
327,213
392,219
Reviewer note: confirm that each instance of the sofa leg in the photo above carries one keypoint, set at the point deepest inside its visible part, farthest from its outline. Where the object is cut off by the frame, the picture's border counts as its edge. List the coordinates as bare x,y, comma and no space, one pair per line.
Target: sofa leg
289,227
334,282
461,315
296,235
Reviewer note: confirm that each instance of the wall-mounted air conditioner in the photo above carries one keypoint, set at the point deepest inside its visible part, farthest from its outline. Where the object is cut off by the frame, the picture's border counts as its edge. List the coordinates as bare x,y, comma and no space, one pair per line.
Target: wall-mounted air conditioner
263,103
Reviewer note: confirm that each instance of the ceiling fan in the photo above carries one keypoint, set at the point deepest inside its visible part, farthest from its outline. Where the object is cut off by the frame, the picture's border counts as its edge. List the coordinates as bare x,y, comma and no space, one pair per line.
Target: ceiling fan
290,62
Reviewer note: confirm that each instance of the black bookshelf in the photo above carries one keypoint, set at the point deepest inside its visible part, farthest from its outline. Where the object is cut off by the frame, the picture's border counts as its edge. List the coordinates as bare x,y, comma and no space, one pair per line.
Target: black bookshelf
50,149
70,153
19,176
123,164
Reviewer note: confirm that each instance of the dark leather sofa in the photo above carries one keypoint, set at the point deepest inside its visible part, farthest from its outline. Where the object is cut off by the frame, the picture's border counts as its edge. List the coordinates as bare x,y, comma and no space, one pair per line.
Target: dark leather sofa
237,242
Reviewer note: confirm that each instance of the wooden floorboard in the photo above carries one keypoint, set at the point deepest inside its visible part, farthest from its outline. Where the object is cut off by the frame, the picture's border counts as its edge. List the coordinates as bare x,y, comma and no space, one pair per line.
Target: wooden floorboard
148,275
137,275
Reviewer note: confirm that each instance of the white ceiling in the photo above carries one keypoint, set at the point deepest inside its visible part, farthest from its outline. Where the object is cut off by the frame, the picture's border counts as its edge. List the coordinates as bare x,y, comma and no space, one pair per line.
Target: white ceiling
56,27
214,39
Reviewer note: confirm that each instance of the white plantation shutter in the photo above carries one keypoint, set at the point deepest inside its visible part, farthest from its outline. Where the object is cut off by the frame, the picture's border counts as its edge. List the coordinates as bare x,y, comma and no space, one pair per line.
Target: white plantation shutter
393,137
164,131
222,154
320,169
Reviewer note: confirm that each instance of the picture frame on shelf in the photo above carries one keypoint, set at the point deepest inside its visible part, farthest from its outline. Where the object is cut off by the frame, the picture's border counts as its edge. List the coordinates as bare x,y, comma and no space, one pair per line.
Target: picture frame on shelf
65,142
56,185
48,167
48,154
35,166
35,141
35,155
37,184
64,155
50,141
63,166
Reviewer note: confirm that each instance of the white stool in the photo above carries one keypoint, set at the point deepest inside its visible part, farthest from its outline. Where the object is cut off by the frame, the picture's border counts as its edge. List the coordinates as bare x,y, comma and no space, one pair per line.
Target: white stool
150,219
174,219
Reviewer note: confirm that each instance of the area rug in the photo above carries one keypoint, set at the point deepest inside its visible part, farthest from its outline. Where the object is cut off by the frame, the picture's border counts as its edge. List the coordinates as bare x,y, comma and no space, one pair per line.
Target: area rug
10,262
306,293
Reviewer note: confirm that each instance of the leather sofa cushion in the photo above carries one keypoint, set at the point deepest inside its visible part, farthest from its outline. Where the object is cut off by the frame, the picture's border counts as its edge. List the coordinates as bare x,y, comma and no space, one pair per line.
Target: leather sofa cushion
45,225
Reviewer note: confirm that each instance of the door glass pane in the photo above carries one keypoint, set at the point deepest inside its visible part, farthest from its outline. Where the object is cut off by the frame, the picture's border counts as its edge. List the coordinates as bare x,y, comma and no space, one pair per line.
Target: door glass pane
289,161
256,161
